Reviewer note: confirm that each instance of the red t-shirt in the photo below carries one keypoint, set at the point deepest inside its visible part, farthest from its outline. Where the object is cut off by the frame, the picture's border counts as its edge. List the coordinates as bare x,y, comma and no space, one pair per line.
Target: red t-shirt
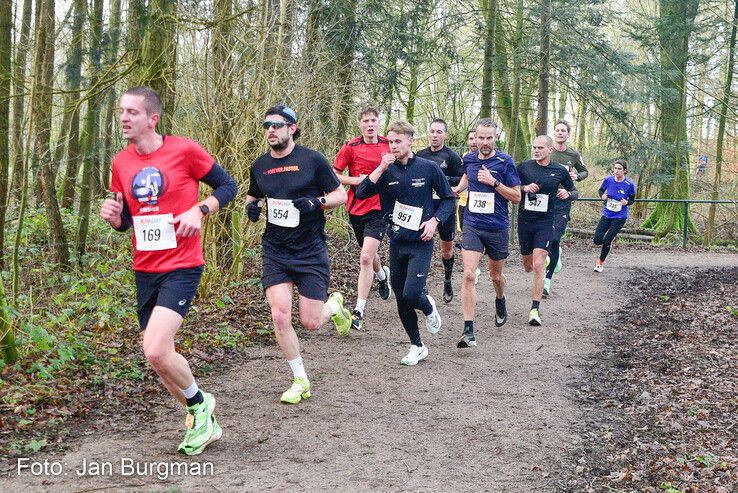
165,181
361,159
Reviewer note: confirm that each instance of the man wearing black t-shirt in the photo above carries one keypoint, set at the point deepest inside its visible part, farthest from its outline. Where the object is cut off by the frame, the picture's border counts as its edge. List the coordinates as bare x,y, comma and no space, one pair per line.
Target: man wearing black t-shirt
297,184
451,165
540,179
405,184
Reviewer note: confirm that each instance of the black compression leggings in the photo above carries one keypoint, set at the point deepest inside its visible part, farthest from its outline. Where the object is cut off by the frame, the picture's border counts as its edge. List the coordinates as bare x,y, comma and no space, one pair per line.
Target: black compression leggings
607,230
409,265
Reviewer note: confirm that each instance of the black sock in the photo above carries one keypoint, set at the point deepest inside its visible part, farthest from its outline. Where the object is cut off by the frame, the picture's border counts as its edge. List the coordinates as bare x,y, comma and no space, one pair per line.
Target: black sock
468,326
536,305
448,267
195,399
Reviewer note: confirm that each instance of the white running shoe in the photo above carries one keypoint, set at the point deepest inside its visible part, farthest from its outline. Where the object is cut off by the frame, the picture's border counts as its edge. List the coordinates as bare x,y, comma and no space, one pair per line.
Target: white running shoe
476,276
414,355
598,268
433,321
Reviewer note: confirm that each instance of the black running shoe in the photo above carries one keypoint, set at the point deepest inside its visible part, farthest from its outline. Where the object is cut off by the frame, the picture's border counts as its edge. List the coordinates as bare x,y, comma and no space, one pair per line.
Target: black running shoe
467,340
385,291
448,292
357,320
500,312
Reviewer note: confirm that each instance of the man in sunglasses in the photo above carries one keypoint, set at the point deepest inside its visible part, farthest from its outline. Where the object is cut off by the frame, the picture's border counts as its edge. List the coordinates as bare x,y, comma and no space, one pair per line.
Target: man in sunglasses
361,155
297,184
155,182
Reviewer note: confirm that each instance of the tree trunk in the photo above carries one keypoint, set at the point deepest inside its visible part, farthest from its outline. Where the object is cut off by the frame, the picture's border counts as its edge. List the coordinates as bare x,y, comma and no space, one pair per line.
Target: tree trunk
347,39
563,95
111,55
675,26
41,115
724,105
136,23
158,60
74,75
582,125
508,104
6,76
8,350
543,70
489,8
19,90
90,136
412,92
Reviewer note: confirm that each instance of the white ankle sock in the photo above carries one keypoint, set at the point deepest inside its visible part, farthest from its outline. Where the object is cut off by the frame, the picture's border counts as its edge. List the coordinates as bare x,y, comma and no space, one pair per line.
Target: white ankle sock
298,369
360,305
333,305
380,275
191,391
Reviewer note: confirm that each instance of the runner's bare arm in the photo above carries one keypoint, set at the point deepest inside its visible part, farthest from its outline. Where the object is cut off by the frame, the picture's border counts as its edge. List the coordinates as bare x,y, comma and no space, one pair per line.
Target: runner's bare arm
348,180
463,184
335,198
512,194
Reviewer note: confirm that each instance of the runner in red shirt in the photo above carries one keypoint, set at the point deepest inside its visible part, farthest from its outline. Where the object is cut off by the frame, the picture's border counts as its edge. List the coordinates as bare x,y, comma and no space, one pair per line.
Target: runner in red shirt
155,182
361,155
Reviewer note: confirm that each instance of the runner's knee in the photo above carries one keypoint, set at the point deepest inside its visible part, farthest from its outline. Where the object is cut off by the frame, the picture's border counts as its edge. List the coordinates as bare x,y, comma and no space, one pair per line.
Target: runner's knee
155,354
310,322
366,260
412,296
469,276
282,319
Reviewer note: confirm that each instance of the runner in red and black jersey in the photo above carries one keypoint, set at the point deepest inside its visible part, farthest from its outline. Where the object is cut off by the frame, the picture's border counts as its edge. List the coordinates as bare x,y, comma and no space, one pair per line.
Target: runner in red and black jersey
155,181
361,155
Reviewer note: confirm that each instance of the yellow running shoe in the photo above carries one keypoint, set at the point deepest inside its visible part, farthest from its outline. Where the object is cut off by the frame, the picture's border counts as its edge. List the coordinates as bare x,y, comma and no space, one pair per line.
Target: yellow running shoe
299,390
342,318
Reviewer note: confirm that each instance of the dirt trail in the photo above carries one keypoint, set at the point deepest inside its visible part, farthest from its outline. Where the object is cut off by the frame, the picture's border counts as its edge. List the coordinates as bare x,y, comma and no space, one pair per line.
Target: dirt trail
499,417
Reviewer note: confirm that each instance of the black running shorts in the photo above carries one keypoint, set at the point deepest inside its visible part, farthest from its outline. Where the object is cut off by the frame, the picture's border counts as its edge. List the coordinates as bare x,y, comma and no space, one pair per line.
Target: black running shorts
535,234
311,274
371,224
174,290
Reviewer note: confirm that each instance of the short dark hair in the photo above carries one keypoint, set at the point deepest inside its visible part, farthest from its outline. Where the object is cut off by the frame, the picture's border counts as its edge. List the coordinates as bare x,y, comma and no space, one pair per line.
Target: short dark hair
485,122
472,131
152,100
401,127
441,120
622,163
287,113
561,121
367,110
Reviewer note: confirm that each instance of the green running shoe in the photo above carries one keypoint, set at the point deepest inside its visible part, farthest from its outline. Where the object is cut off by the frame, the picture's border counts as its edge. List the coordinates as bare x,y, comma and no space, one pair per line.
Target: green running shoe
199,424
342,318
559,264
546,287
534,318
299,390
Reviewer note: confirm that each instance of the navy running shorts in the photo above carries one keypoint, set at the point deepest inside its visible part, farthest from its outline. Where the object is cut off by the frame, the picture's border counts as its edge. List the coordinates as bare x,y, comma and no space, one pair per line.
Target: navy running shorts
492,242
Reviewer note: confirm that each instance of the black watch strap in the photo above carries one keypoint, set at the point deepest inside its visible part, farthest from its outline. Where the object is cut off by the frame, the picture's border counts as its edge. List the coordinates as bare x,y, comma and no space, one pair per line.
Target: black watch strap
204,209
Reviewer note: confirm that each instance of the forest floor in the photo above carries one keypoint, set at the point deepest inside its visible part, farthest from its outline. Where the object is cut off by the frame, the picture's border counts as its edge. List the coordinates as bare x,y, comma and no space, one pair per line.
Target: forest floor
629,385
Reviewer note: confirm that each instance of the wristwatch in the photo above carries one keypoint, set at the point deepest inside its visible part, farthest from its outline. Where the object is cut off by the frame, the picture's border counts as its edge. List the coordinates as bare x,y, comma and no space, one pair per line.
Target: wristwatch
204,209
497,183
321,200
